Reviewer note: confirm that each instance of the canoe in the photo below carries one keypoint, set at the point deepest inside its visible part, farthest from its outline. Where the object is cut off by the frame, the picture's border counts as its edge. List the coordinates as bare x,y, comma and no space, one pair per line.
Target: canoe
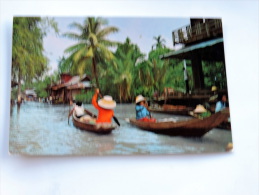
225,125
187,128
98,128
183,111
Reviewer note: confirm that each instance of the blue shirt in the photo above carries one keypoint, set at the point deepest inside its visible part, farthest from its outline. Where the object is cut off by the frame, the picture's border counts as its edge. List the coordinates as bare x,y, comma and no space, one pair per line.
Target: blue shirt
141,112
220,106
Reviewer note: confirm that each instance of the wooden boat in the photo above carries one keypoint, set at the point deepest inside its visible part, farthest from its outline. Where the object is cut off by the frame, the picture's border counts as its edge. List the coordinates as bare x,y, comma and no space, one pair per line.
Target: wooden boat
189,128
225,125
183,111
96,128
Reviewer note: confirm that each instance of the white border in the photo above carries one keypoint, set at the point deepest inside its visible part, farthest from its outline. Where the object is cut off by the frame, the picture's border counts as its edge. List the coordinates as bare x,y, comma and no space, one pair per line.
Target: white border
224,174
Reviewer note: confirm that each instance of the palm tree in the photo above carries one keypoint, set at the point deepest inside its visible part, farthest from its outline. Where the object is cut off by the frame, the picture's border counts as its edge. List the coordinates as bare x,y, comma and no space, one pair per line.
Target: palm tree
28,60
159,42
92,46
154,73
122,76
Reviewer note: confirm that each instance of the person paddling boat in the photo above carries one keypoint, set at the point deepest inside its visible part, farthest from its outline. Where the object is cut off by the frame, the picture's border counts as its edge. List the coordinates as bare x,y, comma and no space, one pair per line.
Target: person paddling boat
104,106
142,112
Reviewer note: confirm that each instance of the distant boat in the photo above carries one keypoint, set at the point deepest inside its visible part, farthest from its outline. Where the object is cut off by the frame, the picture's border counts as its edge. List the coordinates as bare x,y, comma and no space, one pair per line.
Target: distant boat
176,110
188,128
96,128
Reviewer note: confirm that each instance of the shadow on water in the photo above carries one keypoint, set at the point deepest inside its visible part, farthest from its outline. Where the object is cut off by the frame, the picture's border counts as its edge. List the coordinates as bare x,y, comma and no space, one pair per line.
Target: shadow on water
42,129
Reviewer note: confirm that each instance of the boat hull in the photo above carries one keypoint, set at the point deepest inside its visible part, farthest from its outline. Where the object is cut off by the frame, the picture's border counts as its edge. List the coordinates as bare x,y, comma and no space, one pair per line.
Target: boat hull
188,128
96,128
172,111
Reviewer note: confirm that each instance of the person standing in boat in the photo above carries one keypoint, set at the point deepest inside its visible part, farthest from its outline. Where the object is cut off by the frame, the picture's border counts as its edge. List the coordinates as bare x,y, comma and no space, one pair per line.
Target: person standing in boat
186,77
142,112
104,106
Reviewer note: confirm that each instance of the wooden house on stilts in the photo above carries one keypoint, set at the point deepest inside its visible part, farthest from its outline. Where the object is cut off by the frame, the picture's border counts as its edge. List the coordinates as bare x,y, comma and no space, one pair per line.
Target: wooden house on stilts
202,40
69,87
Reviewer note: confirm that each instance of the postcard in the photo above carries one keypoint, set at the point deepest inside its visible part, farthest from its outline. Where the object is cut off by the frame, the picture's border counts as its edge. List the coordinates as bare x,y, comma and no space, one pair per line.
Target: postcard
116,86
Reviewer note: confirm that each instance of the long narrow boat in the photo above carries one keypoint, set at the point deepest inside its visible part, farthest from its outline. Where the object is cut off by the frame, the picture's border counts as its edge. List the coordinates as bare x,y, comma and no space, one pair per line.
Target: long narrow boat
96,128
189,128
183,111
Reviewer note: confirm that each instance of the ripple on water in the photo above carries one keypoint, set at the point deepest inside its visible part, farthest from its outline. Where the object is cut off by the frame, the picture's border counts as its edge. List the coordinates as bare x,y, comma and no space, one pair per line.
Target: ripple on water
42,129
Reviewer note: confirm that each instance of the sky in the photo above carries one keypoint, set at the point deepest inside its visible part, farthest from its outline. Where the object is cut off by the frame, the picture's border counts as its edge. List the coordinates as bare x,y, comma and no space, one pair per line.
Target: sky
141,31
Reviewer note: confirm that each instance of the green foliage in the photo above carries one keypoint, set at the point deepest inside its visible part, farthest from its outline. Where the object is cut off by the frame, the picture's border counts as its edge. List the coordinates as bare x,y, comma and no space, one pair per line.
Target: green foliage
85,96
159,42
40,87
214,74
14,93
129,74
28,60
92,48
125,73
118,76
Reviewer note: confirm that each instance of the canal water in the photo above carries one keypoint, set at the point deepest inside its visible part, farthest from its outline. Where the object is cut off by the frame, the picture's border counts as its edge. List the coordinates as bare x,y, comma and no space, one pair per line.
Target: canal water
42,129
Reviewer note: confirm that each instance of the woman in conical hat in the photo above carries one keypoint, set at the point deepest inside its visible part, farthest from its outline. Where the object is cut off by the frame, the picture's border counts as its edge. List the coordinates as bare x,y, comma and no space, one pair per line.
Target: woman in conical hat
142,112
199,109
200,112
105,107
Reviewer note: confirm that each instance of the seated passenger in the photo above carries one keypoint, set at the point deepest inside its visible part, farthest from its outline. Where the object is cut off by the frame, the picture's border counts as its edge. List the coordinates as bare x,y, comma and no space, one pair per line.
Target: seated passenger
200,112
79,110
142,112
221,104
214,97
105,108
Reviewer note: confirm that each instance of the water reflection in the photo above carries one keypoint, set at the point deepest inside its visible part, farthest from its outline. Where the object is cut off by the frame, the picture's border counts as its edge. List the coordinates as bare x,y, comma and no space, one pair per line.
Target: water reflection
42,129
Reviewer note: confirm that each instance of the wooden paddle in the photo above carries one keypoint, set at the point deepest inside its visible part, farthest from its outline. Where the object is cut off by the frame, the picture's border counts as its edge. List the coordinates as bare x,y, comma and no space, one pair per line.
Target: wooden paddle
148,109
114,117
69,113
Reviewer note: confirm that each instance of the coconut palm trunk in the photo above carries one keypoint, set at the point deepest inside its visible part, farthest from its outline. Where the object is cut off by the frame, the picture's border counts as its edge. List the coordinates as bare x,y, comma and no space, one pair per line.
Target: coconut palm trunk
95,72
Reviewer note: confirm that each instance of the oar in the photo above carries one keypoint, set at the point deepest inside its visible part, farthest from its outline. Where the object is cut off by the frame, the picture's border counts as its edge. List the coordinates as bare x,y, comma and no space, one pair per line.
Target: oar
148,109
69,114
116,120
114,117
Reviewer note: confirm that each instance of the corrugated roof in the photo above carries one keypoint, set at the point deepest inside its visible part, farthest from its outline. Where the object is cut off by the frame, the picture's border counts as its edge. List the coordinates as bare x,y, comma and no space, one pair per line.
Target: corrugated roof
193,47
74,80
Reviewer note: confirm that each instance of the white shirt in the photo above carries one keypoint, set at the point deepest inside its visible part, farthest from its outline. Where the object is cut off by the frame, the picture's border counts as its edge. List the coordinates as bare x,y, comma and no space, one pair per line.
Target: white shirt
79,111
185,75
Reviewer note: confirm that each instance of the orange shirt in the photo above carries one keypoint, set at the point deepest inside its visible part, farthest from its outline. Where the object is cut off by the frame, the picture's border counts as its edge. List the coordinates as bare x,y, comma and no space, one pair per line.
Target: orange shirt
104,115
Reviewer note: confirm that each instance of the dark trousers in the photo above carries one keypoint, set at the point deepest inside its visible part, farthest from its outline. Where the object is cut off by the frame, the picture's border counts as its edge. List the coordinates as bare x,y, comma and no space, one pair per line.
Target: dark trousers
187,86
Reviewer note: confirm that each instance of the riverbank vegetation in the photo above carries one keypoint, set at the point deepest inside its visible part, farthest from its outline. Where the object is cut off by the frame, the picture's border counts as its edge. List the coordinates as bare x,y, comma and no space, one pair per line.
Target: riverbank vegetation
29,63
121,70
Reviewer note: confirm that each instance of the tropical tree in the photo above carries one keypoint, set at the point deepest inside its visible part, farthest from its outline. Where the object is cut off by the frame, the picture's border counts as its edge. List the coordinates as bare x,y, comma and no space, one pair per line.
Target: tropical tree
122,76
92,46
28,60
214,74
159,42
64,66
154,73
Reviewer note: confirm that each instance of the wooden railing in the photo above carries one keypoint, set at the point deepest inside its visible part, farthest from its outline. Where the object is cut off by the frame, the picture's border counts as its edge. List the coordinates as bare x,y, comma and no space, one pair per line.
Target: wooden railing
199,32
